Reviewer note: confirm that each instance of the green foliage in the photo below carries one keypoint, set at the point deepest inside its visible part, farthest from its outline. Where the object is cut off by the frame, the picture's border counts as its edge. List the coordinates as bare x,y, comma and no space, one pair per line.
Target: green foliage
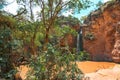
6,26
99,4
70,20
10,74
6,20
54,64
26,30
83,18
5,35
61,31
83,56
39,37
2,4
63,26
89,36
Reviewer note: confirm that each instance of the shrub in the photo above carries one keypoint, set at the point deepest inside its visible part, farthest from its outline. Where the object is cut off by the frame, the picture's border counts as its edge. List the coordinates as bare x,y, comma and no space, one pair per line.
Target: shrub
53,64
89,36
7,23
82,56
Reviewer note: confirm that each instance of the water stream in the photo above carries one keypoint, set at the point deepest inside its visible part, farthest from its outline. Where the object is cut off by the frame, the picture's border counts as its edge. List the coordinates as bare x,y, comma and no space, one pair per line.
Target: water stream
79,41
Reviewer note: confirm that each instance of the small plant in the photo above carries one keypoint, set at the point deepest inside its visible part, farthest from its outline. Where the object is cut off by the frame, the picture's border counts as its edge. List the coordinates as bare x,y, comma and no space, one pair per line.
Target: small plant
89,36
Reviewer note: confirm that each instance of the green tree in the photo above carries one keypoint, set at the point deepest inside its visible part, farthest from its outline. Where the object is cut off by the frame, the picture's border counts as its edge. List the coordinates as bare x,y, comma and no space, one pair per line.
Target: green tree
99,4
51,9
31,31
6,26
2,4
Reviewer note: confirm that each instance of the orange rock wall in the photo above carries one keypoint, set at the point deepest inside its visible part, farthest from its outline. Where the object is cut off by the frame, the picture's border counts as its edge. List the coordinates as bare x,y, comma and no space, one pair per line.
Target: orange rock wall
102,24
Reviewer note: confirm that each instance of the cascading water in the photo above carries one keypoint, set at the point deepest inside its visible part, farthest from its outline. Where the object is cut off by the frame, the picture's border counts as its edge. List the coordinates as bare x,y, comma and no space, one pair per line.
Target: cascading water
78,37
79,41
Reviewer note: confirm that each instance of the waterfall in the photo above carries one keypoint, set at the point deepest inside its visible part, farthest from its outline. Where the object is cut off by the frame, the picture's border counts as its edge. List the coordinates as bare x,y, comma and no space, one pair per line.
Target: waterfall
78,38
79,42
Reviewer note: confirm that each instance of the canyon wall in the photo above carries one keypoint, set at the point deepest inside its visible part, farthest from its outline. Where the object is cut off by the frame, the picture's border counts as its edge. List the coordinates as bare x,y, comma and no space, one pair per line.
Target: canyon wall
99,34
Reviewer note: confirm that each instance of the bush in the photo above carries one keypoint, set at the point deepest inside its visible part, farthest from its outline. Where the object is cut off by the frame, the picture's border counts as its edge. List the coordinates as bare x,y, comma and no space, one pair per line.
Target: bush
6,66
89,36
54,65
82,56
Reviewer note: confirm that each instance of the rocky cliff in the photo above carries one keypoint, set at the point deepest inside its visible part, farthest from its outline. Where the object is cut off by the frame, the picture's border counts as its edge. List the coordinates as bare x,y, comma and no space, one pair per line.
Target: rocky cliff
101,32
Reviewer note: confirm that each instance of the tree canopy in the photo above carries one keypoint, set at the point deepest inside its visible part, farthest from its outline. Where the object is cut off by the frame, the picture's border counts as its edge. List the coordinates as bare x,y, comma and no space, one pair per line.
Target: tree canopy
23,36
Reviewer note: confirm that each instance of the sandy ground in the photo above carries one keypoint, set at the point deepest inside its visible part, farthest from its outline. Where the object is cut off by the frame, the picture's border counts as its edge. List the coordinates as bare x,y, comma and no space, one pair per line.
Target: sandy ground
105,74
92,66
91,69
100,70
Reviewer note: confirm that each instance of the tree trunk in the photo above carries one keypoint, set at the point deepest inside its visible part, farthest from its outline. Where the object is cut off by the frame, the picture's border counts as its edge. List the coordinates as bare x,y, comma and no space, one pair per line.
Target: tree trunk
33,46
46,39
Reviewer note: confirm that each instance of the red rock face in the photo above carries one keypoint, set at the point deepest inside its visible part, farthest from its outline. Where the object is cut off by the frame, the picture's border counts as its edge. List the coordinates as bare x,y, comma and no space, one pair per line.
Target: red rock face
102,25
